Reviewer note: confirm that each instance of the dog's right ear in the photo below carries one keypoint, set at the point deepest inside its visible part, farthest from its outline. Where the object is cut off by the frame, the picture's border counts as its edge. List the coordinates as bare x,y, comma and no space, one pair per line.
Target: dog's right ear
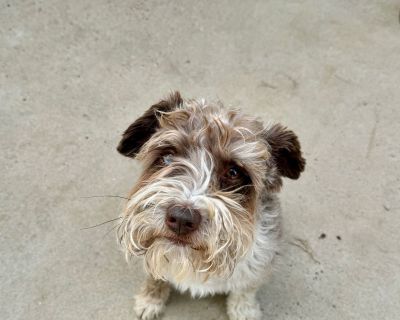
144,127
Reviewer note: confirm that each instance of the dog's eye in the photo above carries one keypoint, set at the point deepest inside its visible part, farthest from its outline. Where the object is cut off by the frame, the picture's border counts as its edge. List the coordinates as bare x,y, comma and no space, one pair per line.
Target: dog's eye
232,173
167,159
233,178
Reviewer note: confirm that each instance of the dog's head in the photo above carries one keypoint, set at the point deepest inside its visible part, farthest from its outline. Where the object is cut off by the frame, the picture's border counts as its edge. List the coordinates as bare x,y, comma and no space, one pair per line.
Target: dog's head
206,168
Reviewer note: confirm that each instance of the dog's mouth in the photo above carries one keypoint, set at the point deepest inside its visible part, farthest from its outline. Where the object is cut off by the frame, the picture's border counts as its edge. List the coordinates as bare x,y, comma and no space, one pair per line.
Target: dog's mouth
182,242
178,241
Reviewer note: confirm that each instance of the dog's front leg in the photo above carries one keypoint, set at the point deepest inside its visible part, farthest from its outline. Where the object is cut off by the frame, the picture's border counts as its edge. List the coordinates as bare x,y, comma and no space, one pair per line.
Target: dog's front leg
243,305
150,301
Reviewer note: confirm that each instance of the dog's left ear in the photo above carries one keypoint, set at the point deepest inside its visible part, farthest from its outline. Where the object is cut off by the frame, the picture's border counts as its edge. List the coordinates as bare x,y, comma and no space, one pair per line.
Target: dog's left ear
286,151
144,127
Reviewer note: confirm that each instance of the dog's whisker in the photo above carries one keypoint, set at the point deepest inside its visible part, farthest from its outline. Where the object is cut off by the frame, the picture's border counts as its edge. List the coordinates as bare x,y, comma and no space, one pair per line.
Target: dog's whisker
109,231
105,196
100,224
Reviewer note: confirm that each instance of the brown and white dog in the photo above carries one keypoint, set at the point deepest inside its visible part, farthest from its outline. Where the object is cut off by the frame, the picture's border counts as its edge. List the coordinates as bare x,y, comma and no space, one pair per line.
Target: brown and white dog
204,213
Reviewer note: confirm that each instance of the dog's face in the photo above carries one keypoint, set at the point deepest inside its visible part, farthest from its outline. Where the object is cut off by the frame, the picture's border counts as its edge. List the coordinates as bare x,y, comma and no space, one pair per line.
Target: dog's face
197,202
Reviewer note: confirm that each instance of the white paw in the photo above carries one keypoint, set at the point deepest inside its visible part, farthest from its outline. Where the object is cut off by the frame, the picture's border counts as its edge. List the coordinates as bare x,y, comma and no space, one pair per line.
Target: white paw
244,309
242,312
147,308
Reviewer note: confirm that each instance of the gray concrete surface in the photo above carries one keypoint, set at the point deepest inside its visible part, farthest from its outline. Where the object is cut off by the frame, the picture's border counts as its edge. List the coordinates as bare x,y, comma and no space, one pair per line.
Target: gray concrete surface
74,74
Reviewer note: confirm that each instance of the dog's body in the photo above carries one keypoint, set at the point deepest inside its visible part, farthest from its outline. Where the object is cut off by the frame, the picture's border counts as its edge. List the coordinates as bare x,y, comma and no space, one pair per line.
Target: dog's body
204,213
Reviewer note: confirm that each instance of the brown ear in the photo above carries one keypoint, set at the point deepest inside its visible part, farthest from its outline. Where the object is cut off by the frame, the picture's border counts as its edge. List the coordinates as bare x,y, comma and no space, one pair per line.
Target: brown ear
285,150
143,128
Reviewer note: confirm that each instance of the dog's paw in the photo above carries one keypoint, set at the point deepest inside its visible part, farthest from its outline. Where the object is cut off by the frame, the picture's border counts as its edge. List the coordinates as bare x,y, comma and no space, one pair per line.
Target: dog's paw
242,307
147,308
245,312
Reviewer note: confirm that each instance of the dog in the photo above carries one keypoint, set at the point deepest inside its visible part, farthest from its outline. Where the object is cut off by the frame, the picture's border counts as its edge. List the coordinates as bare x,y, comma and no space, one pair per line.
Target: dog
204,213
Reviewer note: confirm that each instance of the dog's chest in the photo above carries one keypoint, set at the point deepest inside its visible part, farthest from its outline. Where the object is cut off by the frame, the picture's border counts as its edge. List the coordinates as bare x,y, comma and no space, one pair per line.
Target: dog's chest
242,276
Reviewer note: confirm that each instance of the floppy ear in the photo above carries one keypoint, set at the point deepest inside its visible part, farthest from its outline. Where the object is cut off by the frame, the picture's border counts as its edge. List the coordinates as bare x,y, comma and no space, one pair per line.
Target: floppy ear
143,128
285,150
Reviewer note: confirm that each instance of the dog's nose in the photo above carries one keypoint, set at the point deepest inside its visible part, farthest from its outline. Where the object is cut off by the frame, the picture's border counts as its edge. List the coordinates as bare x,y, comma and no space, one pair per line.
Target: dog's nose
182,220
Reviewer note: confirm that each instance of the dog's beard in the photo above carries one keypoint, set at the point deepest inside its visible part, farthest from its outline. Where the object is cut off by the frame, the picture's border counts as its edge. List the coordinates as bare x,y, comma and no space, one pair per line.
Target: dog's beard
163,261
222,239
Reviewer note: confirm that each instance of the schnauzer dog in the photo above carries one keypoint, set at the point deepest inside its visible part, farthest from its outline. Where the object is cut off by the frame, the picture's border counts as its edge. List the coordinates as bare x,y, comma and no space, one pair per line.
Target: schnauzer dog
205,214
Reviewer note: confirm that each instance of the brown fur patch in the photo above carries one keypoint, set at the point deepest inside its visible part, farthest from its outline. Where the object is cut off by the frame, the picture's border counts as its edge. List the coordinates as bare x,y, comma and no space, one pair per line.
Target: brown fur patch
144,127
285,150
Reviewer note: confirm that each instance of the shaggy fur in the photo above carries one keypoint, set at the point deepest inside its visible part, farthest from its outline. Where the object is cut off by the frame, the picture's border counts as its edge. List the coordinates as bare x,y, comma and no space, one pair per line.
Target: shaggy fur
227,167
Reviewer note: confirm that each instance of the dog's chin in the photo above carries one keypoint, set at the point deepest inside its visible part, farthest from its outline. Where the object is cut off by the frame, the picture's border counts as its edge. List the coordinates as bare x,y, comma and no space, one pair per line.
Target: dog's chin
179,260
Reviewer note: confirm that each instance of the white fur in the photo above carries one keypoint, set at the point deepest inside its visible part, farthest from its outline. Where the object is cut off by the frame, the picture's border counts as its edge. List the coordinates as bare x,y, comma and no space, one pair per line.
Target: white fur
150,301
243,305
147,309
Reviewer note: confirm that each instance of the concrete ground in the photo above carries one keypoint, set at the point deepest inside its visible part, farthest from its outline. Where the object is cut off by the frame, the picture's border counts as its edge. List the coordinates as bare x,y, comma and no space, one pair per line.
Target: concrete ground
74,74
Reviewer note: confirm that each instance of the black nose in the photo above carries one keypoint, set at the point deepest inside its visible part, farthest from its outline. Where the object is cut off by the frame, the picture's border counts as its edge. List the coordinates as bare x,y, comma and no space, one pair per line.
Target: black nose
182,220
